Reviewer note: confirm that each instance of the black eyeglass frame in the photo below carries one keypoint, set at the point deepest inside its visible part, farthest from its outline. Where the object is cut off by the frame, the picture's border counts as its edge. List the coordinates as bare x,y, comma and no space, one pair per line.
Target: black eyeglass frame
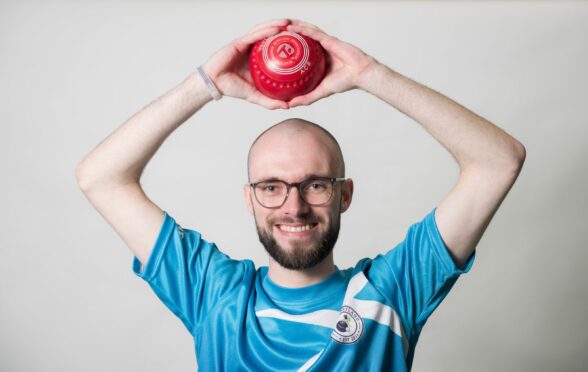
297,185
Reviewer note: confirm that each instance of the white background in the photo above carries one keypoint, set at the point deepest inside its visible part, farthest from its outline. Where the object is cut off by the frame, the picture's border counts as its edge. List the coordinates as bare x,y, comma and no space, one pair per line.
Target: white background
71,72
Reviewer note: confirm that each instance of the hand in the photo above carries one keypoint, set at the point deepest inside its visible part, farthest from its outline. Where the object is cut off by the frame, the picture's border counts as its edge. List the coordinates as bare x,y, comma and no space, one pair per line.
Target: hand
229,67
345,64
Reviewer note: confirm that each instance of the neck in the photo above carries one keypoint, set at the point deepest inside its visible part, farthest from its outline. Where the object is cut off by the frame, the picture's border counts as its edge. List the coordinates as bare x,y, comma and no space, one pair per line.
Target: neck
301,278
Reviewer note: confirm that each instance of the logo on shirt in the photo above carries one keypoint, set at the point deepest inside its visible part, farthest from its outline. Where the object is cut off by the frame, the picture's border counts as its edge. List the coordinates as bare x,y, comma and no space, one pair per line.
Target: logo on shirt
349,326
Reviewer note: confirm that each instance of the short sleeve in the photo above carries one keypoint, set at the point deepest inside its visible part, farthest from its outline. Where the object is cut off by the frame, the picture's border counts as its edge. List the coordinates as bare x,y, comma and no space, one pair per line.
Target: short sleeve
188,274
417,274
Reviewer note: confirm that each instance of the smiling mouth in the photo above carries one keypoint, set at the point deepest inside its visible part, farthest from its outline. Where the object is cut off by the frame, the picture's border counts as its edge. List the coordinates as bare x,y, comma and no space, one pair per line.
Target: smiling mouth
296,228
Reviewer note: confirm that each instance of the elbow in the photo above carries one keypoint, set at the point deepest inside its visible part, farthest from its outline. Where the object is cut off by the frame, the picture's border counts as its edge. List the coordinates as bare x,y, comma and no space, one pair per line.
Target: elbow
505,165
87,176
82,177
501,166
512,163
518,157
92,178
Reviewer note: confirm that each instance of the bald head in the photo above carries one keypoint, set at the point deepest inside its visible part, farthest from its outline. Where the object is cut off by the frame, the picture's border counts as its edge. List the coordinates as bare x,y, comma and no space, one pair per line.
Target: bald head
297,135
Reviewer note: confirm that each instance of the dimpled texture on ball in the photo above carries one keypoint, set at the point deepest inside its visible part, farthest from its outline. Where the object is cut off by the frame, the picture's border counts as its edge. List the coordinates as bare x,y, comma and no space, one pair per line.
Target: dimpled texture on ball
286,65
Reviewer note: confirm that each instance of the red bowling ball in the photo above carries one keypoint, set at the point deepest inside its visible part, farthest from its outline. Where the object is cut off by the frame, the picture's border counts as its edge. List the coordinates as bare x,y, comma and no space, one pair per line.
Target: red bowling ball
286,65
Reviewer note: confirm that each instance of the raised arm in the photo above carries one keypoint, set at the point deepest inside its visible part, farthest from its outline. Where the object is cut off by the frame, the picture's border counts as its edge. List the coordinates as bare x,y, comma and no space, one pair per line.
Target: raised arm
489,158
110,175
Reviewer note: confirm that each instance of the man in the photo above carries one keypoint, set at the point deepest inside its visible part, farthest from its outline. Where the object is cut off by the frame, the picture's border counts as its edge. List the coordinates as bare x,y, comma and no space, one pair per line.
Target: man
301,312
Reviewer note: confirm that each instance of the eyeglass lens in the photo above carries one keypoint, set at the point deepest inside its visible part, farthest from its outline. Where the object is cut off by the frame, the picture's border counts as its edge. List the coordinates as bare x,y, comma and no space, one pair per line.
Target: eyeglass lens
313,191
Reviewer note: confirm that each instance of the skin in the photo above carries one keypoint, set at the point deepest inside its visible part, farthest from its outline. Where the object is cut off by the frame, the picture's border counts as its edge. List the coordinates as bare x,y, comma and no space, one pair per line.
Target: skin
292,151
489,159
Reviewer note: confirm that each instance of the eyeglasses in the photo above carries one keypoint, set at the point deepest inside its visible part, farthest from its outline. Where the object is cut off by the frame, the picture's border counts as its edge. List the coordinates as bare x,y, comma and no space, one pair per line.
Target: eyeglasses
314,191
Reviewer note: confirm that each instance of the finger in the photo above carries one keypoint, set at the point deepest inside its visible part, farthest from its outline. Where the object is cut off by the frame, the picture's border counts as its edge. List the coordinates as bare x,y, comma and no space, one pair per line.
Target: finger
330,43
248,92
312,33
298,22
245,42
282,22
307,99
272,104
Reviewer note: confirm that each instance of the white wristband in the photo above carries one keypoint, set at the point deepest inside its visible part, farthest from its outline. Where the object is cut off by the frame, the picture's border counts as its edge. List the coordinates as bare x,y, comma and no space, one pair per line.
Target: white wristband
209,84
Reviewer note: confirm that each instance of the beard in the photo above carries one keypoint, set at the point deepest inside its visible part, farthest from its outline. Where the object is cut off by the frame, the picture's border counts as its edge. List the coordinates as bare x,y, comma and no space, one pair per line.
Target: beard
301,258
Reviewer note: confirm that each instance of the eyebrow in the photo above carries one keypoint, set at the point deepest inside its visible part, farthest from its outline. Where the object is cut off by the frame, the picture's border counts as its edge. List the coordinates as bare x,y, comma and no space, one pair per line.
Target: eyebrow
308,176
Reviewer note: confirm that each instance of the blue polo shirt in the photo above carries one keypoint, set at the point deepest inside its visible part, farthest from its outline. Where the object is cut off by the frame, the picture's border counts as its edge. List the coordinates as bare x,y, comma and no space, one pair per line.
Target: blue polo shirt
365,318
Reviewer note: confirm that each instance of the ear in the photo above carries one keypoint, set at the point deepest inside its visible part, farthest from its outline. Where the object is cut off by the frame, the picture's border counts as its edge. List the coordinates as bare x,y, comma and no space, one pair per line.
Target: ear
247,196
346,194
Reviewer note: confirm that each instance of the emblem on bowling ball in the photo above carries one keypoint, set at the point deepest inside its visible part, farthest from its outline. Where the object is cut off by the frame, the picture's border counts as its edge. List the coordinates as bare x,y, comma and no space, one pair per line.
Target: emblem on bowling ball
286,65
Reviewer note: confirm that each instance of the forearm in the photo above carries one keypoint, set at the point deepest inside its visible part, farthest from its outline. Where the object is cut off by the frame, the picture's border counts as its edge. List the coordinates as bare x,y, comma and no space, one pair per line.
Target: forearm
473,141
122,156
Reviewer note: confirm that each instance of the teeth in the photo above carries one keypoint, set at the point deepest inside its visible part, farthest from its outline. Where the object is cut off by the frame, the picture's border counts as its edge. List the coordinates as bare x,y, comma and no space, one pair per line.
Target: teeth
295,228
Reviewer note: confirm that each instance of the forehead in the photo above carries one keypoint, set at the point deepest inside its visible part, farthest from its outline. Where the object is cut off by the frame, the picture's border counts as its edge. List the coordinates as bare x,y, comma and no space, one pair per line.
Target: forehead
292,156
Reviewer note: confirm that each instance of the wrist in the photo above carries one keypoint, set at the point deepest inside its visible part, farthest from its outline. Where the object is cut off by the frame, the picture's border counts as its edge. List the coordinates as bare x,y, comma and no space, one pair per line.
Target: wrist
370,75
210,86
198,89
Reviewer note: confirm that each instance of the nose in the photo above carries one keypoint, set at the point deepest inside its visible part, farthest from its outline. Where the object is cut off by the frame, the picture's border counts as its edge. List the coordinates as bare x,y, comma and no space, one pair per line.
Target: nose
294,204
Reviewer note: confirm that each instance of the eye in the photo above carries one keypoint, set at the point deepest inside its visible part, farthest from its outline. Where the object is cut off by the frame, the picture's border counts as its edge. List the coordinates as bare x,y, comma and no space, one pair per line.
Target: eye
270,187
316,186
